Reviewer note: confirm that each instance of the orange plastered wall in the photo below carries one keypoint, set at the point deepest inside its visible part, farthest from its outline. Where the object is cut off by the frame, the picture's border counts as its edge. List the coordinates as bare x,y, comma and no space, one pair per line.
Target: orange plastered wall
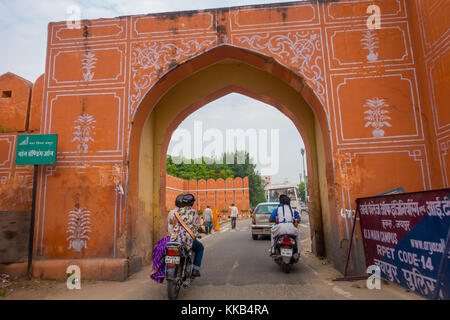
15,94
431,33
96,78
16,182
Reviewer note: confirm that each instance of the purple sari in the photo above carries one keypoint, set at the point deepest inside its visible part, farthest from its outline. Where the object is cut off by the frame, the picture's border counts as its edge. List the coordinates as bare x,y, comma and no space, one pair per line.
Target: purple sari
159,265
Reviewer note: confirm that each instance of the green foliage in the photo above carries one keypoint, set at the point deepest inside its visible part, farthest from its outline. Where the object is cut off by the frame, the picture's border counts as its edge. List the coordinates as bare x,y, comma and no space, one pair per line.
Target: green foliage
229,165
189,170
3,293
301,191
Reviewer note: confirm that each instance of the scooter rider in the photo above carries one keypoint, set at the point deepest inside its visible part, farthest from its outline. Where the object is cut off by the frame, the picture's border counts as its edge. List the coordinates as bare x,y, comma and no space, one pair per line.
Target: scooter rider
185,230
286,221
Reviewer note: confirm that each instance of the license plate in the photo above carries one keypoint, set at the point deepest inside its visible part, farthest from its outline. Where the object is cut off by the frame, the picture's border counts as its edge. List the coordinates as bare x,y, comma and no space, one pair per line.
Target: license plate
172,259
286,252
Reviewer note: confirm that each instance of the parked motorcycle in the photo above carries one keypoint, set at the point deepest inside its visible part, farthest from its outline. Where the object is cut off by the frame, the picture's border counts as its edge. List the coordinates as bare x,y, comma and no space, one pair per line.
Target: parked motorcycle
179,266
286,252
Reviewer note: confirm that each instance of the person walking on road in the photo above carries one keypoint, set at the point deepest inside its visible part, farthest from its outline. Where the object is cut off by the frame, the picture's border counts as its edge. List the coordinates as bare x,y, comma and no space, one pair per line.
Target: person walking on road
233,215
216,218
207,219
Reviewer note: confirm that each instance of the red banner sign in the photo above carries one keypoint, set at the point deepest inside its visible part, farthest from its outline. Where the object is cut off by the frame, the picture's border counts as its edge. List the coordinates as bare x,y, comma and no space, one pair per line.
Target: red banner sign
406,236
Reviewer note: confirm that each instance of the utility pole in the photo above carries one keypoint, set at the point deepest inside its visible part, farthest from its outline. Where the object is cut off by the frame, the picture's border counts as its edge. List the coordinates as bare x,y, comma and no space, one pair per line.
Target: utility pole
304,175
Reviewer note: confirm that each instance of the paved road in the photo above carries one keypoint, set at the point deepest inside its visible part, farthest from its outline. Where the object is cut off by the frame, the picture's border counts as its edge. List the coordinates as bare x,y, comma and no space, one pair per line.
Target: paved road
234,267
232,257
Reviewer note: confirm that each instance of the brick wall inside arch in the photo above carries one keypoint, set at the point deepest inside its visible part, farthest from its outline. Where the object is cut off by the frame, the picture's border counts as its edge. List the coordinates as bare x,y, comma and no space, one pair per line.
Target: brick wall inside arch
211,192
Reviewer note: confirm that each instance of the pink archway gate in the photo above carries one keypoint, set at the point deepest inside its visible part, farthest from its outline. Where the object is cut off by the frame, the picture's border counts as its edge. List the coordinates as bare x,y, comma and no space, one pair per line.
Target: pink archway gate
112,75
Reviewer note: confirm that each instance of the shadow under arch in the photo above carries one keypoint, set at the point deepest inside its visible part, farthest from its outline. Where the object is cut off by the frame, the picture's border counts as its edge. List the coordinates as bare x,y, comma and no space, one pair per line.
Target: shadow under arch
198,81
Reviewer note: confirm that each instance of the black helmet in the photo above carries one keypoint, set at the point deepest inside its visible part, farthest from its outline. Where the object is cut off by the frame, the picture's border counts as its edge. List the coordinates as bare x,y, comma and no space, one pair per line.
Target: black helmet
284,199
188,200
179,201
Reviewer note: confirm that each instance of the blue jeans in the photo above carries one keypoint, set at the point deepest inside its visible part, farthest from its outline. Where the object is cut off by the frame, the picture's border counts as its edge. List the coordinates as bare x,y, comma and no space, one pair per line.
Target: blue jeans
198,248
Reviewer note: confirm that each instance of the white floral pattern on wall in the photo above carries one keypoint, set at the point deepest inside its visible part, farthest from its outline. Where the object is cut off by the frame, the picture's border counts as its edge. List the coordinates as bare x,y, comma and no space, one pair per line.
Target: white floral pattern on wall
370,43
377,116
88,64
78,228
84,128
302,49
151,60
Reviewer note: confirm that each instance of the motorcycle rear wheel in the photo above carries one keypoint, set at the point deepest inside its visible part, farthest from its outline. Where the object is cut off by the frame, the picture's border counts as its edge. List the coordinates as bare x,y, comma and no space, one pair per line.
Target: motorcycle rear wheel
286,267
173,289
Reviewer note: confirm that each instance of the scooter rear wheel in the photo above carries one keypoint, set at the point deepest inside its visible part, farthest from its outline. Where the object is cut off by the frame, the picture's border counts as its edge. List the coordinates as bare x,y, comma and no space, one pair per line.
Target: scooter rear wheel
286,267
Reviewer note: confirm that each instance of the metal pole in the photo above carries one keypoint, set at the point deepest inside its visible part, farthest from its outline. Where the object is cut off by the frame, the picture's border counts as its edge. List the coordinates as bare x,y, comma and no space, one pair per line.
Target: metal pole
346,278
350,247
32,218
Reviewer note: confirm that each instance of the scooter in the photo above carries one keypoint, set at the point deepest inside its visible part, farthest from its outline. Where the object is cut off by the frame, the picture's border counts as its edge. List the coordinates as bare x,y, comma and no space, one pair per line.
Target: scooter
286,252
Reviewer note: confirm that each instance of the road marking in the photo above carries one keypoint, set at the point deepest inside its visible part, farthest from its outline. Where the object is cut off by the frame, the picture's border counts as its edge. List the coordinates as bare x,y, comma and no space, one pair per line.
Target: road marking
339,290
226,229
342,292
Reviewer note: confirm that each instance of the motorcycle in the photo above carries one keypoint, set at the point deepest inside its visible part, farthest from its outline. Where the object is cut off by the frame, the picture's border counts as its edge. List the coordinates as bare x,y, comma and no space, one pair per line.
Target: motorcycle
286,252
179,266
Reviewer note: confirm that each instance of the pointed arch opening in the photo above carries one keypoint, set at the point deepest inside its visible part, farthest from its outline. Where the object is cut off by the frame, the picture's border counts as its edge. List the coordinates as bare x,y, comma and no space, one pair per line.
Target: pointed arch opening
191,85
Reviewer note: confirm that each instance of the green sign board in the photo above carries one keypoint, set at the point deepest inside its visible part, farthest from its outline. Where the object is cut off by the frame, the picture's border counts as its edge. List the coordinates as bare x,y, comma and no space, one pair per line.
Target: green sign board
36,149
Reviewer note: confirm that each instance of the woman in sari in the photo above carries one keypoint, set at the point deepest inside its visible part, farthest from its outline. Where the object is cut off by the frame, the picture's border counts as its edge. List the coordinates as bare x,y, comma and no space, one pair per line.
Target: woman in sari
185,230
159,252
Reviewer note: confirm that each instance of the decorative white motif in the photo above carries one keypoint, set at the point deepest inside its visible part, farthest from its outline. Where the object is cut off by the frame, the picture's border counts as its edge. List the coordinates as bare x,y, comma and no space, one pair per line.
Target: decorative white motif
88,64
151,60
302,49
224,39
370,41
82,133
77,228
376,116
117,178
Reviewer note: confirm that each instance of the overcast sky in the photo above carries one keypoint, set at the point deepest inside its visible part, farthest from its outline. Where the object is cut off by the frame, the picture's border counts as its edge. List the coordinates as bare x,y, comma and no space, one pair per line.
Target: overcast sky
236,111
23,34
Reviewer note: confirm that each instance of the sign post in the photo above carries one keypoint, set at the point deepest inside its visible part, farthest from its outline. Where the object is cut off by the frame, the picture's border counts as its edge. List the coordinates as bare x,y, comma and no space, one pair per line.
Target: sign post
35,149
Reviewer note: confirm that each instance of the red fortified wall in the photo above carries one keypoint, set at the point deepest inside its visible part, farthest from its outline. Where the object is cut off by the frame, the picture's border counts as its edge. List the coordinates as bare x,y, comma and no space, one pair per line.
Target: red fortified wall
208,193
